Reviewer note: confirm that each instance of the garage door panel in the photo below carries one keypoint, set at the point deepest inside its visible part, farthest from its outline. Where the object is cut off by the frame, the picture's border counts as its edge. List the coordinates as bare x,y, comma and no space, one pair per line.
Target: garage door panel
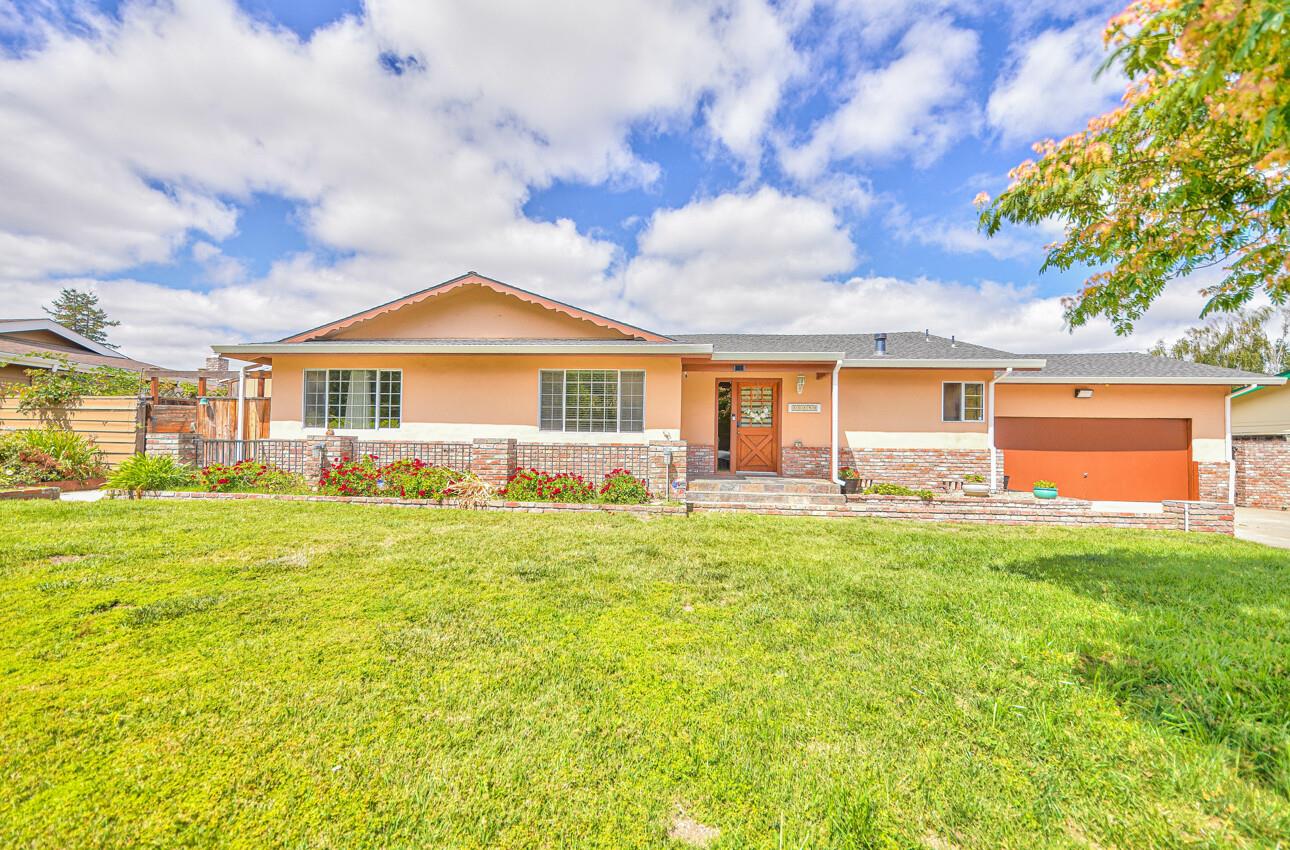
1116,459
1128,476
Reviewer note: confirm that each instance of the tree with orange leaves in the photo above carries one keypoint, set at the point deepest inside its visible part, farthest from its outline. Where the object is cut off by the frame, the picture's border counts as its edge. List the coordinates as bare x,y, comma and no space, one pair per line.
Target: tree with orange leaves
1190,172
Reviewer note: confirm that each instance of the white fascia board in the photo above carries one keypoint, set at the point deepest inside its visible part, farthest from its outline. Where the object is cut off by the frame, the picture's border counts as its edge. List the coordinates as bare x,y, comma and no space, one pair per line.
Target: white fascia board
1205,381
948,363
780,356
23,325
473,348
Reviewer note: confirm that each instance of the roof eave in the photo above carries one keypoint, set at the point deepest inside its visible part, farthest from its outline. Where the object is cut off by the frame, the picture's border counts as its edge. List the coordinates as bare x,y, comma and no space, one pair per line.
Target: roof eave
1209,380
66,333
789,356
942,363
247,350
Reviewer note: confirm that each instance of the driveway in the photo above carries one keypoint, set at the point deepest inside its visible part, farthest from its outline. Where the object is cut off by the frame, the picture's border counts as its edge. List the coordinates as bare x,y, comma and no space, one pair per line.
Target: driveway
1264,526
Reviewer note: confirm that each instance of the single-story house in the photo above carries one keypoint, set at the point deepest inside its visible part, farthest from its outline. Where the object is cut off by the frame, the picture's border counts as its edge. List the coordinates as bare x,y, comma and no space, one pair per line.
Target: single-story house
43,343
476,358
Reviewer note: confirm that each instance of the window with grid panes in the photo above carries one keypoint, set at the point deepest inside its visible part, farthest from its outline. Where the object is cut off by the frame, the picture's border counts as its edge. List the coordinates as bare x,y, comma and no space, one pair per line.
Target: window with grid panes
358,399
591,400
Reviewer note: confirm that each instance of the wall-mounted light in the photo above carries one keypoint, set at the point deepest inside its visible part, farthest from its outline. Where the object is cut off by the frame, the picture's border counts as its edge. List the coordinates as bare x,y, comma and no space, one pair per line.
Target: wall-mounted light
801,384
1083,392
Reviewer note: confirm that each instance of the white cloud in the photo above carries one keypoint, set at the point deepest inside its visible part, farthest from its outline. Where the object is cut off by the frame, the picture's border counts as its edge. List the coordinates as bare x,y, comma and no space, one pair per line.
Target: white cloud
916,106
1050,85
768,262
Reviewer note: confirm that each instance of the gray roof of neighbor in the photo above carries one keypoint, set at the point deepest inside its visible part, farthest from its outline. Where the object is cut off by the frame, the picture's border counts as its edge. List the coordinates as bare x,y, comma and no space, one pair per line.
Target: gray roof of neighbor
1128,364
913,345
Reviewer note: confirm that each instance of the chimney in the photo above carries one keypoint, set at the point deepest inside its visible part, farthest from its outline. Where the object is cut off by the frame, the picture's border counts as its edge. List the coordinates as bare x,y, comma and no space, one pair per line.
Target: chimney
216,364
880,344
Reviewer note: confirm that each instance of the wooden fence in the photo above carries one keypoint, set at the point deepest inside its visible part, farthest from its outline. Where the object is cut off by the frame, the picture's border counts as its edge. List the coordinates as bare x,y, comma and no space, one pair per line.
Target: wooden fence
115,423
214,419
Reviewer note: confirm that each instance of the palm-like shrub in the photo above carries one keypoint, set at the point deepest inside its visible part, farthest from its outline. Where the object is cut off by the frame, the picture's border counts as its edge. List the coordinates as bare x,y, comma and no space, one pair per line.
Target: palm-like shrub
141,473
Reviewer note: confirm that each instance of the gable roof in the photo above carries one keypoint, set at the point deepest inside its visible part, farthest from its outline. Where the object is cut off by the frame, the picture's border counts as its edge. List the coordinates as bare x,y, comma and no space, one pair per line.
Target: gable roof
1132,367
77,349
475,279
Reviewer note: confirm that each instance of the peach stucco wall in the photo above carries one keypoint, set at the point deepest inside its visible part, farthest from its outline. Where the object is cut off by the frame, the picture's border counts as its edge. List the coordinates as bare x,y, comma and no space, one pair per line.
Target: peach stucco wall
474,312
699,405
1203,405
902,399
480,389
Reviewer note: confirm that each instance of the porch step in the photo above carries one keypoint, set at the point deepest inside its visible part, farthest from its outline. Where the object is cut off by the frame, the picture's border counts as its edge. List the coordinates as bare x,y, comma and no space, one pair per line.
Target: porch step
733,497
764,485
809,509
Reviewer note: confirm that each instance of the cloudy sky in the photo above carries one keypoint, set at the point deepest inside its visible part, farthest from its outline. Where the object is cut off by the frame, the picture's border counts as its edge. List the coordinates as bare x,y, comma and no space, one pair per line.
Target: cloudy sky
221,172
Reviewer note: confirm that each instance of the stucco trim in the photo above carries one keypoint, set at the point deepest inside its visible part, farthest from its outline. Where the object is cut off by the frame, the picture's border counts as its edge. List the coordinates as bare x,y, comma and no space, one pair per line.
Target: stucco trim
1209,449
464,432
917,439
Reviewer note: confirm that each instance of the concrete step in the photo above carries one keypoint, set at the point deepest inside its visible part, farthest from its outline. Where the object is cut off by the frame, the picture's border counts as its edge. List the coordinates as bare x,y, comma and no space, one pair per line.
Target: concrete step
816,509
763,485
757,498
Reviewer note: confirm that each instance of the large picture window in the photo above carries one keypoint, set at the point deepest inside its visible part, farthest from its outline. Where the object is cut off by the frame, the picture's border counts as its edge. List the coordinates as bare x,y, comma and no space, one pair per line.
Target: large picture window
962,401
353,398
597,400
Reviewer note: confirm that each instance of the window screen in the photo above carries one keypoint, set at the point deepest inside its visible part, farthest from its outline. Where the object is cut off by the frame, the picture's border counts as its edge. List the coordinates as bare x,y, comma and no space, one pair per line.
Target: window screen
962,402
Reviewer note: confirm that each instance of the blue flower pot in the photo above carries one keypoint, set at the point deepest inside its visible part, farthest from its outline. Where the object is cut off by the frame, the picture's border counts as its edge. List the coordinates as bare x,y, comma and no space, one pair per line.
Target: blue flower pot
1045,492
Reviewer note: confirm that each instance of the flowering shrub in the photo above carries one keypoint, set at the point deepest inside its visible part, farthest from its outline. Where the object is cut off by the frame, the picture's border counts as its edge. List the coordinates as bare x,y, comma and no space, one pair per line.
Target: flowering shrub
849,472
531,485
409,479
623,488
249,476
47,454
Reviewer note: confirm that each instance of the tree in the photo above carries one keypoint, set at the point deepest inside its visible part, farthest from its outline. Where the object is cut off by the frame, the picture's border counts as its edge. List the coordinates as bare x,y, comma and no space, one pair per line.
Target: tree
1191,172
80,312
1237,341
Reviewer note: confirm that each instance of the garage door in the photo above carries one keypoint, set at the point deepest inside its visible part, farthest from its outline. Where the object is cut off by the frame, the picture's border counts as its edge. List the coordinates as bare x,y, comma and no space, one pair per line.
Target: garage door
1119,459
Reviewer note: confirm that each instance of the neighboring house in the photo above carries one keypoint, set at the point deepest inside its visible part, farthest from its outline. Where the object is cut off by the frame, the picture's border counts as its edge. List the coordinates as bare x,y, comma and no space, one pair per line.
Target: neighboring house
1261,443
41,343
476,358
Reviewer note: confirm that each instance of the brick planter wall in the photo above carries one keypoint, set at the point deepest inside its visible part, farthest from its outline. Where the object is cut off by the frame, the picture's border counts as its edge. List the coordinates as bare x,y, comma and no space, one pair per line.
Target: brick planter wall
917,467
493,460
591,461
181,447
805,461
1262,471
391,501
668,461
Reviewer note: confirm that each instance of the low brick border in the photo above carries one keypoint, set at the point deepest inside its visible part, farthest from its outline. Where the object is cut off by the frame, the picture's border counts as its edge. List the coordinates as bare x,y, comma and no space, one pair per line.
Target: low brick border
24,493
491,505
1211,517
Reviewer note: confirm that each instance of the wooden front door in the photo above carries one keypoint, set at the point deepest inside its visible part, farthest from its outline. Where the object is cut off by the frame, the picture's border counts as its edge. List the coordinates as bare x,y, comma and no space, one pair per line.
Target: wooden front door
756,426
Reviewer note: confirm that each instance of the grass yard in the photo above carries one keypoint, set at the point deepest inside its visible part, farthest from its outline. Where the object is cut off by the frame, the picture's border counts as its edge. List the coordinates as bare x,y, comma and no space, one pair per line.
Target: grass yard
322,675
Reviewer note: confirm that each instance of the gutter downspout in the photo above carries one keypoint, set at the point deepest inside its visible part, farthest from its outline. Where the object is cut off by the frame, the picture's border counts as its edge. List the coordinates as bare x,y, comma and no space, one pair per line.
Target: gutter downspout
241,408
833,429
994,452
1227,429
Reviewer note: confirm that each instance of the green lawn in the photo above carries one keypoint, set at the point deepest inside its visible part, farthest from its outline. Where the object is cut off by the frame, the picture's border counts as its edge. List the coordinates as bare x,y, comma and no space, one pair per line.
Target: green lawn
323,675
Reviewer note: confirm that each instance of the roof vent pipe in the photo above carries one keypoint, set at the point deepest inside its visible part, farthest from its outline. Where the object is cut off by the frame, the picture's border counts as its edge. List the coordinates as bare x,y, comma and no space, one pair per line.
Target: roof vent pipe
953,344
880,344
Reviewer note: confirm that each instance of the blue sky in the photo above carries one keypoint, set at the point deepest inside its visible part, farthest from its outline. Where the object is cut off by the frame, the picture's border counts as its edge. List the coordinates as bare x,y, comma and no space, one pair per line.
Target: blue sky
223,172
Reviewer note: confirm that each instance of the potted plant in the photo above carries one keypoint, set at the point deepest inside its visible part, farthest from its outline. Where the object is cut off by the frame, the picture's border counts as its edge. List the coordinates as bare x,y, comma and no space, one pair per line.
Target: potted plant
850,479
1044,489
974,485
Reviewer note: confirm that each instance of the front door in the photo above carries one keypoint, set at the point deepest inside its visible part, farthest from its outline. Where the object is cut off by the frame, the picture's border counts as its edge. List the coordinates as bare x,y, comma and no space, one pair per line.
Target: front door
756,427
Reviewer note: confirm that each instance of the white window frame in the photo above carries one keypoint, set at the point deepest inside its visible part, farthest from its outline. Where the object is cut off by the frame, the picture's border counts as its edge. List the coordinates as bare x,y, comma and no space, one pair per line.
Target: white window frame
304,397
962,400
618,420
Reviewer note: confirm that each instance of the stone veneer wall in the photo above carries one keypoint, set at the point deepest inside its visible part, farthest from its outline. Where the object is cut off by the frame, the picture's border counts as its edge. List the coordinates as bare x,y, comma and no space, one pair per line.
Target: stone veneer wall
917,467
1262,471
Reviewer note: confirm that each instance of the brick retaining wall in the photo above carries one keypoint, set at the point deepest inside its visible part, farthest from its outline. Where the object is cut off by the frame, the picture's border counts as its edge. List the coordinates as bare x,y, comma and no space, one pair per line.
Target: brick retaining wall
491,505
700,460
917,467
1262,471
806,462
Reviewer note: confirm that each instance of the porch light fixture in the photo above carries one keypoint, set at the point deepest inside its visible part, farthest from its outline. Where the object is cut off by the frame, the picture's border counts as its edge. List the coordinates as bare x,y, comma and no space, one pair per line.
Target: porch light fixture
801,384
1083,392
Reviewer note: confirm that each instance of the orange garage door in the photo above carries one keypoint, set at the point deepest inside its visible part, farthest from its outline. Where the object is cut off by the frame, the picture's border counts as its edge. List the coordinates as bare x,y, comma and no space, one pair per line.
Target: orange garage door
1121,459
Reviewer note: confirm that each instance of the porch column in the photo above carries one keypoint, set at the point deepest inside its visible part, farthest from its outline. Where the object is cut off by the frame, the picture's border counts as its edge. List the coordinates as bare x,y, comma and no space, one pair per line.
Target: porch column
667,461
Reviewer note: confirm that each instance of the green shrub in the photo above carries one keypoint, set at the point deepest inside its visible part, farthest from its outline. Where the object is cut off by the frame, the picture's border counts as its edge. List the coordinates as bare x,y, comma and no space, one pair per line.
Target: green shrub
47,454
897,490
974,478
142,473
849,473
250,476
411,479
623,488
1042,484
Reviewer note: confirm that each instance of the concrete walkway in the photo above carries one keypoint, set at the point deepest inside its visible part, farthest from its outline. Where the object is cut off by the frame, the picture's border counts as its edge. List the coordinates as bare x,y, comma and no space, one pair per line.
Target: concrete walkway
1264,526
